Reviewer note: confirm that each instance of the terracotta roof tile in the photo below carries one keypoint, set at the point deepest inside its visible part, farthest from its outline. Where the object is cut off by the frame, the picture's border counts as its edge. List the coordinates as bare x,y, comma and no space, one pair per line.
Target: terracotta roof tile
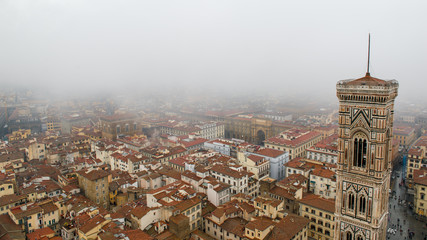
288,227
94,174
39,233
318,202
270,152
260,223
235,226
420,176
293,142
92,223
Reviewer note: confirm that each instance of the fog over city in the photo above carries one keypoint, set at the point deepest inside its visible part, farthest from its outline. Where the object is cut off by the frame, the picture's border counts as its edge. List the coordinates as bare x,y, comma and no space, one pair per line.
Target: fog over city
297,49
213,119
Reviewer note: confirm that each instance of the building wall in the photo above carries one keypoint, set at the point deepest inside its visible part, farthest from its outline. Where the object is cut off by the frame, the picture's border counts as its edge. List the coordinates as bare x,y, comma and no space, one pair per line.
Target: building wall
194,215
322,225
110,129
265,209
322,186
257,234
247,129
6,188
67,124
218,198
151,217
96,190
37,151
260,171
214,230
218,147
51,219
32,222
319,155
238,185
420,199
298,150
413,163
277,168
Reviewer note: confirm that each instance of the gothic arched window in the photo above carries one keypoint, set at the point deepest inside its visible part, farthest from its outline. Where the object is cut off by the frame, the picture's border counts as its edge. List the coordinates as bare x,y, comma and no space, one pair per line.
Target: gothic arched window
362,204
359,238
349,236
359,152
351,201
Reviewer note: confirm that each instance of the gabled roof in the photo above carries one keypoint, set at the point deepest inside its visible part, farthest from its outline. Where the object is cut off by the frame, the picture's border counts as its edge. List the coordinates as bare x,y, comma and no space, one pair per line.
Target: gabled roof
322,172
420,176
235,225
270,152
94,174
288,227
261,223
92,223
39,233
141,211
318,202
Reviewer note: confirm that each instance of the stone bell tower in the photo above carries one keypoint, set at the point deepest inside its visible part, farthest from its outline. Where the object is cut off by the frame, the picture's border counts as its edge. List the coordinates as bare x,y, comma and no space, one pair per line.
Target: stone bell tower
364,157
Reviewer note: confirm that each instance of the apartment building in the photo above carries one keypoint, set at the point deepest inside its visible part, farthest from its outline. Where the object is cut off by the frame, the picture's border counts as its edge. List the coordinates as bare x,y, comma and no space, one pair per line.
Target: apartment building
94,184
236,177
325,150
294,141
320,212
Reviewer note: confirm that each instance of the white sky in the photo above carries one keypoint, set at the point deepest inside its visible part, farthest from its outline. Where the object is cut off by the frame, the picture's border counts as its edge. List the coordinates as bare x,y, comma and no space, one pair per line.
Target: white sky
288,47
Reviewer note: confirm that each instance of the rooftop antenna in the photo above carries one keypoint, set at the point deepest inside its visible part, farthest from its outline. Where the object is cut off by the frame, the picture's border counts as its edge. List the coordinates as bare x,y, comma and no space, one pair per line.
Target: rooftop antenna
369,53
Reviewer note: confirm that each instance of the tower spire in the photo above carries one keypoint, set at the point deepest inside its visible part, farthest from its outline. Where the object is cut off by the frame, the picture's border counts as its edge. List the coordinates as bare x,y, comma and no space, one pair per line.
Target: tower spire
369,54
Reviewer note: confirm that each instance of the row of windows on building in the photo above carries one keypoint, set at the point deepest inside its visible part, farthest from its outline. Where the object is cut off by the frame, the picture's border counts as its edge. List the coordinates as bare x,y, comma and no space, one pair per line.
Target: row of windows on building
320,230
218,176
8,187
320,214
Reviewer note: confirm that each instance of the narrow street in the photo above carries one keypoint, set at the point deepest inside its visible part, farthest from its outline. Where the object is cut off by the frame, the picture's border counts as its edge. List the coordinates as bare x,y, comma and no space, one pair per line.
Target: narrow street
406,217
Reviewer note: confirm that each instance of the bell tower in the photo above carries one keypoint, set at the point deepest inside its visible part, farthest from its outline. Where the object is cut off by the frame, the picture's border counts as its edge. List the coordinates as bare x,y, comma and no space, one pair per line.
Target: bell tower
364,157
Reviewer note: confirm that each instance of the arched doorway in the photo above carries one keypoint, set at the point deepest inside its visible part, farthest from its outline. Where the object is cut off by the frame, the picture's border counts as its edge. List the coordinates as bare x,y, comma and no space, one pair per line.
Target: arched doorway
260,137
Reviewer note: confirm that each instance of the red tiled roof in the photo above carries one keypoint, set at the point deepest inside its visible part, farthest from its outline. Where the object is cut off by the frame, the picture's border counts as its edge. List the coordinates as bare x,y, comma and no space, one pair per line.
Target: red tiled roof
137,234
403,130
255,158
288,227
293,142
269,152
94,174
260,224
282,192
367,80
197,141
321,172
420,176
92,223
228,171
140,211
416,151
318,202
329,143
235,225
39,233
180,161
295,163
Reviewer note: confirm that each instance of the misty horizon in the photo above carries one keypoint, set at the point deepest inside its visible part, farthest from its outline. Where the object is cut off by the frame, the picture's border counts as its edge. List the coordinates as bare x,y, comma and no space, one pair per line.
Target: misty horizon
241,48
